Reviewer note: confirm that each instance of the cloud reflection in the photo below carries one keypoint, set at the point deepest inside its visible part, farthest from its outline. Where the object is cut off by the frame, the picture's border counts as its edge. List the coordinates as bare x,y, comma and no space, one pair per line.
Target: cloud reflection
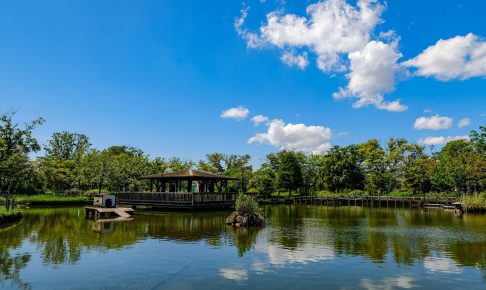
234,274
441,264
306,253
403,282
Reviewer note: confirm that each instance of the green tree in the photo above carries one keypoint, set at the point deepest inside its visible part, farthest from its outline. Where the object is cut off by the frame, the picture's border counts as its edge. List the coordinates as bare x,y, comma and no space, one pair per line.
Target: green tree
16,142
341,169
287,166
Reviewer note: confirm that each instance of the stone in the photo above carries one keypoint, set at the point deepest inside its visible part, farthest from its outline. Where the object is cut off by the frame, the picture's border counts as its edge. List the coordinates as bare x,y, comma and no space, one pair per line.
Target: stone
246,220
231,219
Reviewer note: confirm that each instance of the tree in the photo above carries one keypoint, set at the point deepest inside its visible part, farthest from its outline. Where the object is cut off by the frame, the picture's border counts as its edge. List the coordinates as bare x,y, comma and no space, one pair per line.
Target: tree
67,146
232,165
418,175
287,168
177,164
262,181
341,169
375,166
16,143
63,156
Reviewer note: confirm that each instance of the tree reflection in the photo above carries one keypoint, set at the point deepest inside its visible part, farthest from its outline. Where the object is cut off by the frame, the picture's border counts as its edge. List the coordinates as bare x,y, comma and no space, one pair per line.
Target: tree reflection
245,238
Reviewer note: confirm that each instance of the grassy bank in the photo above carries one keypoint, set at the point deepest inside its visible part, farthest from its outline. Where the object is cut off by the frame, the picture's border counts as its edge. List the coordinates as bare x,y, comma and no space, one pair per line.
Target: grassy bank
476,203
47,199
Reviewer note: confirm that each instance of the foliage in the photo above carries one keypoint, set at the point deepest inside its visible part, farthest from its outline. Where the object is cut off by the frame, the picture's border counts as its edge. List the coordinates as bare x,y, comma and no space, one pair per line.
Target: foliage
231,165
357,192
16,142
246,204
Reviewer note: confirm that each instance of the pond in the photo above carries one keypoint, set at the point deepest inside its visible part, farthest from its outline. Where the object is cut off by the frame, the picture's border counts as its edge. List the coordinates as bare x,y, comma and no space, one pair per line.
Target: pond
301,248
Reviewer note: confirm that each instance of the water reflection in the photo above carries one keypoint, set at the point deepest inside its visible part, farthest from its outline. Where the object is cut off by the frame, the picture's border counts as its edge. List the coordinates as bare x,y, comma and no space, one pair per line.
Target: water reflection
434,242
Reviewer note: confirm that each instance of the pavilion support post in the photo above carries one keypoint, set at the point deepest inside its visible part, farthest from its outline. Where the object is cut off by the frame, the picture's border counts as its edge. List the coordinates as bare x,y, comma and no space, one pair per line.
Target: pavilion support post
189,185
151,185
211,186
163,186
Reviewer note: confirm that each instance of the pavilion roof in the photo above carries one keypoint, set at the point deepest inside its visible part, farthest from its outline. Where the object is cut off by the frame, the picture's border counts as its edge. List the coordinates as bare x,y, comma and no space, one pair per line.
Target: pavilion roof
189,174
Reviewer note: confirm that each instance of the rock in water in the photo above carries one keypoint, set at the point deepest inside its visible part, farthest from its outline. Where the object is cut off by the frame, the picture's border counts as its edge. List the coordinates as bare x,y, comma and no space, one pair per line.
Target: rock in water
231,219
246,220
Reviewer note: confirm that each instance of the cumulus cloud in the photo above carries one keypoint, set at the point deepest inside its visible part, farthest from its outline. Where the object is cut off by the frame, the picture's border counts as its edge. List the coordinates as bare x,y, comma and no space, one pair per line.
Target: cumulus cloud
331,30
292,59
460,57
295,137
441,140
259,119
373,73
464,122
238,113
433,123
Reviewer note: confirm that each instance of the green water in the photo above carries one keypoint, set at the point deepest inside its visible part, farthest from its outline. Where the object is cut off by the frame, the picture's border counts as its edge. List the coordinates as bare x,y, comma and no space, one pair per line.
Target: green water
302,248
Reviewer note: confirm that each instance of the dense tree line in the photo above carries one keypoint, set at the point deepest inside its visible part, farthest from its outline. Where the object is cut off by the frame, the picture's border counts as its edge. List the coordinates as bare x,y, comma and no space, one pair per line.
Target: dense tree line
71,164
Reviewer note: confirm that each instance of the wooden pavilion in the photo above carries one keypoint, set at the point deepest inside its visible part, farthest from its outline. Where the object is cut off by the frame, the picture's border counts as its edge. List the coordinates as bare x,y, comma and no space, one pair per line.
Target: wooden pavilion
183,189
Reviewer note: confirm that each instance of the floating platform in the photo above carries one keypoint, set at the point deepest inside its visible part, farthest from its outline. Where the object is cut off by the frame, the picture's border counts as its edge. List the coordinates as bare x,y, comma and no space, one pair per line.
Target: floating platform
103,212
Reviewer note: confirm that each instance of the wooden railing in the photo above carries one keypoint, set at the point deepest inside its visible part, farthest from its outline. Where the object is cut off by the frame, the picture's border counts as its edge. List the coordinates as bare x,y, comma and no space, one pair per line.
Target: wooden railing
176,198
380,200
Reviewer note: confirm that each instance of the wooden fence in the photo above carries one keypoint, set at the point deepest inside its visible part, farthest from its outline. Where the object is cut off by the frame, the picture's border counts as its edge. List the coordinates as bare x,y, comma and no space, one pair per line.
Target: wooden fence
392,201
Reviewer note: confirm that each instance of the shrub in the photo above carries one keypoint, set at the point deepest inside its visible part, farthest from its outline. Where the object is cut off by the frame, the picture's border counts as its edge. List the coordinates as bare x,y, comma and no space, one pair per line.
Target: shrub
246,204
358,192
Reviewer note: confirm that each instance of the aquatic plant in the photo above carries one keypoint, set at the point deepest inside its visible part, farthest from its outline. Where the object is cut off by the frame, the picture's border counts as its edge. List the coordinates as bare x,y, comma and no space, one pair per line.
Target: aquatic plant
474,203
247,204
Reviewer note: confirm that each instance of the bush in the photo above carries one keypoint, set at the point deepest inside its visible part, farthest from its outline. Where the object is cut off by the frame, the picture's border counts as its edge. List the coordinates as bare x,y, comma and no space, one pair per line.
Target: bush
358,192
246,204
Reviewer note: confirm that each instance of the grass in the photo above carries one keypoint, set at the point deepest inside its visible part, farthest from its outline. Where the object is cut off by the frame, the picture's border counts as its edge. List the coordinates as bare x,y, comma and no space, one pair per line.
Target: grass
47,199
474,203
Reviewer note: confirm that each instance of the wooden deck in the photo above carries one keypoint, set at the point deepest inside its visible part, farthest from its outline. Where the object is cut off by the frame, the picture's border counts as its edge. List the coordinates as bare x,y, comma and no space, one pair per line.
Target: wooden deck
103,212
187,200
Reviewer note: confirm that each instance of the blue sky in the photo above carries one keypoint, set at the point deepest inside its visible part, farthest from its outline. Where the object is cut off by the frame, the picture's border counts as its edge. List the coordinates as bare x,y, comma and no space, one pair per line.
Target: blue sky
158,75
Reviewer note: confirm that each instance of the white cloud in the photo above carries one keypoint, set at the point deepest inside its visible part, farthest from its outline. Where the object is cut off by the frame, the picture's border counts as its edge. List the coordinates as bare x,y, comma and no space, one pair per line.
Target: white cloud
433,123
292,59
238,113
428,111
460,57
441,140
252,39
232,274
259,119
464,122
296,137
373,71
331,28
